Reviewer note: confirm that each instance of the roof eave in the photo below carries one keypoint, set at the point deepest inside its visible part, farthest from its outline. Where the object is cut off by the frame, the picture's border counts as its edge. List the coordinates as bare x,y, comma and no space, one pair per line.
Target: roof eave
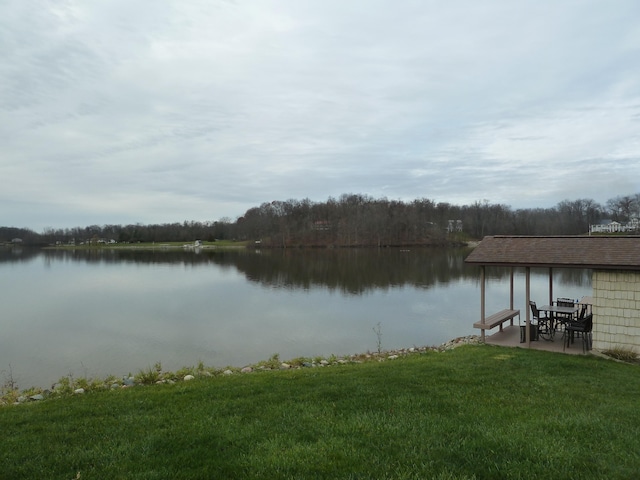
554,265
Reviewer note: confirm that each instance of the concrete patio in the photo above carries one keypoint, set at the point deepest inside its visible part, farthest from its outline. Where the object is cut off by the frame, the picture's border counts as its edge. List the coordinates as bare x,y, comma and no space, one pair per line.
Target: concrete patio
510,337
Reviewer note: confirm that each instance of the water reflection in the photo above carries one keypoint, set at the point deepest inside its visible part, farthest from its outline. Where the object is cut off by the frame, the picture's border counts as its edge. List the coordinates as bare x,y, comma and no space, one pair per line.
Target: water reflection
352,271
348,270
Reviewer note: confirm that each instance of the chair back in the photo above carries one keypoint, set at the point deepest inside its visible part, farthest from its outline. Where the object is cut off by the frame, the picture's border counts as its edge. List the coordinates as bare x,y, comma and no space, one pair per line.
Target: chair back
565,302
588,323
534,309
582,313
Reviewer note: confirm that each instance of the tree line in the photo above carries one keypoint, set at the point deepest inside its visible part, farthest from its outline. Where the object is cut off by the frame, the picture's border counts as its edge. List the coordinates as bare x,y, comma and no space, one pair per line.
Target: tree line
355,220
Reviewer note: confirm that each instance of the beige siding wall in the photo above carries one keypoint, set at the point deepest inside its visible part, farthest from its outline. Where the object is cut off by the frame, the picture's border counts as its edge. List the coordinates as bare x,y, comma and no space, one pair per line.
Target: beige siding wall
616,310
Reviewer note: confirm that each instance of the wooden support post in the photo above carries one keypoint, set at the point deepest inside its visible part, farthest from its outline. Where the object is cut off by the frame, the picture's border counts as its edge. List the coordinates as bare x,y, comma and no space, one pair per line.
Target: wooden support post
482,292
528,308
511,302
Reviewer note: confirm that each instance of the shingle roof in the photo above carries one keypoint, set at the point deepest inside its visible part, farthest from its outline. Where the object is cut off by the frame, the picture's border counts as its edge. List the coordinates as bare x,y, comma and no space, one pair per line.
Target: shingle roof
598,252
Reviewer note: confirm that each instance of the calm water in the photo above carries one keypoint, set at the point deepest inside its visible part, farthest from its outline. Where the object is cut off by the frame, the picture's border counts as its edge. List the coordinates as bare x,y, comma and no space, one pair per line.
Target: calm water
94,313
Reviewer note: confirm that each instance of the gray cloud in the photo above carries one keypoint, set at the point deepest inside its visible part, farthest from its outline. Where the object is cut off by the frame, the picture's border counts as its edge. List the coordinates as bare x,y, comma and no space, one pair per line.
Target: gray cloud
118,111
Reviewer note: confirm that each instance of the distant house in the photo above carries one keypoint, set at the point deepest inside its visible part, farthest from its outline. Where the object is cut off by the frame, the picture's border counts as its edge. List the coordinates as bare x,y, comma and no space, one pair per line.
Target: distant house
615,265
16,240
321,225
454,226
606,226
610,226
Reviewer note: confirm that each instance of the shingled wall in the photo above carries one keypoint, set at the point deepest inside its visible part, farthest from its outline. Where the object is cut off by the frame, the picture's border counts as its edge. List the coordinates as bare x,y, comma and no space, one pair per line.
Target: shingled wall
616,310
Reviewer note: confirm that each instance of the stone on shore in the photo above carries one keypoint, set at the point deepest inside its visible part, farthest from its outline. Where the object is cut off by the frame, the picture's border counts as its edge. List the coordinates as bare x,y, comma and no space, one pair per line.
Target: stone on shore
457,342
129,381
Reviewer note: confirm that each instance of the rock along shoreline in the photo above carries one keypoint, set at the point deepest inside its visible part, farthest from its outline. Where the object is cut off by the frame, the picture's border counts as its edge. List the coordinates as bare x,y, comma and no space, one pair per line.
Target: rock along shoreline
151,376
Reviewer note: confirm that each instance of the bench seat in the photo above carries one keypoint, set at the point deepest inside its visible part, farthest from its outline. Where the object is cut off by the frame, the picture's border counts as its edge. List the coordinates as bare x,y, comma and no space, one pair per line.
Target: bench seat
496,319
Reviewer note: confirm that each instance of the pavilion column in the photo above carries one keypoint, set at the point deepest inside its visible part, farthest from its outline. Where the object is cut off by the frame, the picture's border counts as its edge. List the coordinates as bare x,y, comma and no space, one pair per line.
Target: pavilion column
527,309
511,284
482,293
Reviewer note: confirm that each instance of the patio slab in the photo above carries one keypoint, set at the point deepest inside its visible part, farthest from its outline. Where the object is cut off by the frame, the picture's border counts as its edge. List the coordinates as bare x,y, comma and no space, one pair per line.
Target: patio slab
510,337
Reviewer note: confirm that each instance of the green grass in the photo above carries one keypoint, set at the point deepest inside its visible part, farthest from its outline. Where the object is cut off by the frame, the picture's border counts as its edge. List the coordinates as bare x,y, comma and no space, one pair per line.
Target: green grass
474,412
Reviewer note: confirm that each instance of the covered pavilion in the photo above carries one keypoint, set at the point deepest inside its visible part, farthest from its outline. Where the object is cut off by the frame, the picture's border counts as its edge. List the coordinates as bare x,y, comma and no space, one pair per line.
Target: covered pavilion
615,265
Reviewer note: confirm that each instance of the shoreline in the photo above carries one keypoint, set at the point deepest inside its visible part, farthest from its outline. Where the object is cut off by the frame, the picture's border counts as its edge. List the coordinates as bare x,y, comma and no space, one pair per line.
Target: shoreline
65,386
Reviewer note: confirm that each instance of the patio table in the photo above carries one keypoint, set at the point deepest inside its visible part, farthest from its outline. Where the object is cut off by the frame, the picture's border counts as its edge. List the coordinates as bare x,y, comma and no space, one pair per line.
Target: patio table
554,310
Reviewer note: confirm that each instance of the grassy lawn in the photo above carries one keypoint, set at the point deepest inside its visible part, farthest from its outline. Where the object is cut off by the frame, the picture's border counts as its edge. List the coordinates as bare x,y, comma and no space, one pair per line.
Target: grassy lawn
470,413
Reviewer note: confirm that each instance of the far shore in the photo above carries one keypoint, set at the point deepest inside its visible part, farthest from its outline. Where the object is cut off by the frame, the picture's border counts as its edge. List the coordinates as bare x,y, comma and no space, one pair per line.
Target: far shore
228,244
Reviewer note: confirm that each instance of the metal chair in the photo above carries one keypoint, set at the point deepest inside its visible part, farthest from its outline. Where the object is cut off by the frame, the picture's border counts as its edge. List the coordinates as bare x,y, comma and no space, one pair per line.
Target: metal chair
544,322
584,327
563,318
579,319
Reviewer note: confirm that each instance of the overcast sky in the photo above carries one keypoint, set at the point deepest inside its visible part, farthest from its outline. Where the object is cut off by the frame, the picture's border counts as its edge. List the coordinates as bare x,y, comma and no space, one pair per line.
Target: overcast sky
151,111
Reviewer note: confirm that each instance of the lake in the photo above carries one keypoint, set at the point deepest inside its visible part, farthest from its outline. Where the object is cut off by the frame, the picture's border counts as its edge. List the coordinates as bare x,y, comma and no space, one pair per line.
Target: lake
91,313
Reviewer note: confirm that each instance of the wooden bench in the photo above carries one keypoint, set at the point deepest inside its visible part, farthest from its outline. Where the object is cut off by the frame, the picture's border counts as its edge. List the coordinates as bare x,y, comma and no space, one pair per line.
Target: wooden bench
497,319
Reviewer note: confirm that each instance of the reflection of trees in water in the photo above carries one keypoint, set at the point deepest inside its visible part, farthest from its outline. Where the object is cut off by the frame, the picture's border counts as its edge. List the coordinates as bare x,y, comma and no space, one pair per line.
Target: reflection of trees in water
349,270
580,277
356,270
577,276
13,254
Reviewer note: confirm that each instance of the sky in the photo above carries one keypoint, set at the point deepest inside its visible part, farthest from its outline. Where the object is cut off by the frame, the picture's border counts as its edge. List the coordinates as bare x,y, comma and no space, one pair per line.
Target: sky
147,111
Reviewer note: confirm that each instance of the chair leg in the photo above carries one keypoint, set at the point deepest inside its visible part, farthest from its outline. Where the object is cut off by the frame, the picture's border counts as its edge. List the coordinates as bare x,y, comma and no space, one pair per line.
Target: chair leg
586,342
